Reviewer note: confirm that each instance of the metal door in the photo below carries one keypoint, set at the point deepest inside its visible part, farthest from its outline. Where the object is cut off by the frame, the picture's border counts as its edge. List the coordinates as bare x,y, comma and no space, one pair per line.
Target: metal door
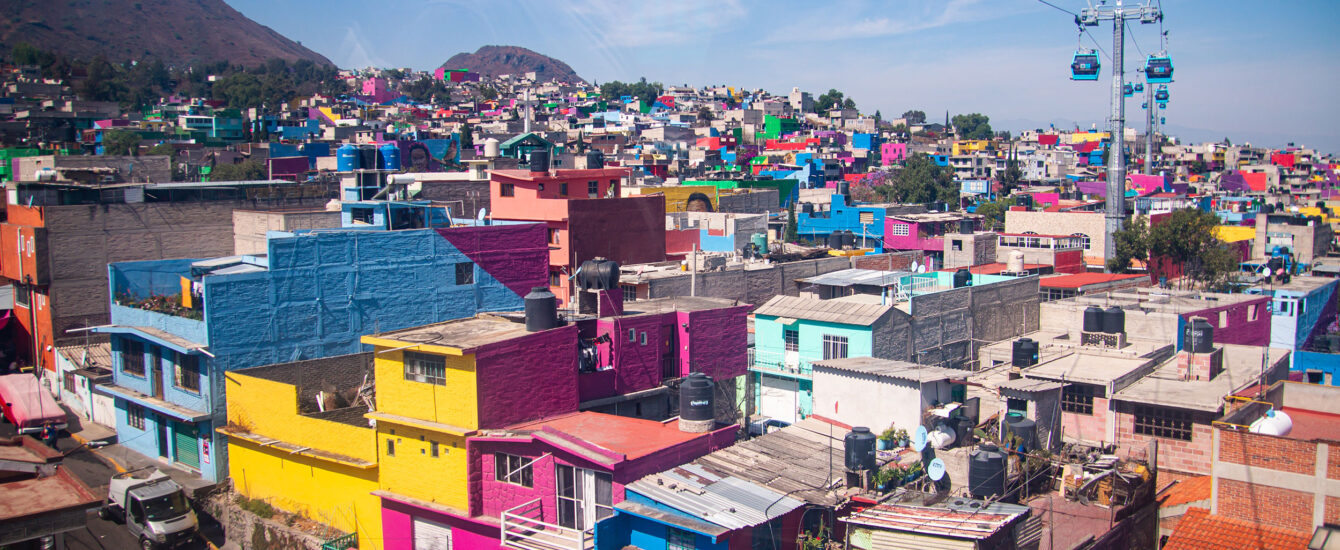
431,535
779,398
156,371
186,443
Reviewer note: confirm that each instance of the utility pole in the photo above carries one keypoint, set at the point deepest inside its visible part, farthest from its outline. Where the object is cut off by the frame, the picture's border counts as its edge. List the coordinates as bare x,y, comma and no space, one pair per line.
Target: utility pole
1151,115
1116,158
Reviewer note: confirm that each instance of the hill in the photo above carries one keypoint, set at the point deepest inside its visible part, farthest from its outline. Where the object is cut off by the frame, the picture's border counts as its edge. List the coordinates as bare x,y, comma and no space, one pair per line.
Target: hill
492,61
176,31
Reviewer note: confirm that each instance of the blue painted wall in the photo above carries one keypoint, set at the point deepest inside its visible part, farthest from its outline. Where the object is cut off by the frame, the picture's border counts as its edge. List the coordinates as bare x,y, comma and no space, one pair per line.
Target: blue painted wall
842,216
1328,363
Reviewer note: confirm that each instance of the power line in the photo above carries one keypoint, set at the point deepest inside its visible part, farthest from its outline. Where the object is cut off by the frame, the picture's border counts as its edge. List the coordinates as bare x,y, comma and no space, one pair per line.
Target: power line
1095,43
1131,33
1059,7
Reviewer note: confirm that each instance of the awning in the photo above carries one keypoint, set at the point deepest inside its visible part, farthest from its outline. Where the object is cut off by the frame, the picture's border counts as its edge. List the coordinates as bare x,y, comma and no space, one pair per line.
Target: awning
162,338
153,403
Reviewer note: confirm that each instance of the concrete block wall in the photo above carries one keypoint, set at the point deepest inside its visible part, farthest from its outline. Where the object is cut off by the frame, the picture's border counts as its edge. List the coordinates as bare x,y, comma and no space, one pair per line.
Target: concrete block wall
250,226
538,370
1275,480
754,202
465,198
1089,428
1175,455
757,286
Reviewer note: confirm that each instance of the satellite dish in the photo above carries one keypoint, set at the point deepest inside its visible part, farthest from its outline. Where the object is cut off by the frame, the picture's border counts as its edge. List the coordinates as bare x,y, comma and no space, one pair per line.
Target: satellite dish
919,438
483,212
914,266
936,469
921,269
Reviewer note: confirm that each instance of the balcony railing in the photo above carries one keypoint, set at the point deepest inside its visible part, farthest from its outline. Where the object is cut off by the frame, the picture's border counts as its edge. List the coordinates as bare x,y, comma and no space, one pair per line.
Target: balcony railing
524,528
787,363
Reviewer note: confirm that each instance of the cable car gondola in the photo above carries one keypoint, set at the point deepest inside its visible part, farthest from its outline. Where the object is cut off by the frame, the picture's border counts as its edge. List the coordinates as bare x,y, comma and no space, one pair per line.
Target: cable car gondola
1127,90
1085,66
1139,88
1161,95
1158,69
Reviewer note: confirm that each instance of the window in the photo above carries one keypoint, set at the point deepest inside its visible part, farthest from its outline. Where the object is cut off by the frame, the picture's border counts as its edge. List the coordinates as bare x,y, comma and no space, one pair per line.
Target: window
555,279
593,189
632,335
1251,312
1223,319
901,230
1083,239
186,373
507,190
434,447
512,469
1163,422
1016,405
542,187
553,236
132,357
629,292
390,447
68,382
956,244
584,496
421,367
1077,398
792,339
465,273
21,296
679,539
643,338
835,347
135,416
563,189
361,215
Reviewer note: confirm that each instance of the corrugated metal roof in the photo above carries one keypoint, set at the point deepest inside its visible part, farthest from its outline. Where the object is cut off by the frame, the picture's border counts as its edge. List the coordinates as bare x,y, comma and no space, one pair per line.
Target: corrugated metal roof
900,370
1030,385
723,500
849,277
828,311
90,355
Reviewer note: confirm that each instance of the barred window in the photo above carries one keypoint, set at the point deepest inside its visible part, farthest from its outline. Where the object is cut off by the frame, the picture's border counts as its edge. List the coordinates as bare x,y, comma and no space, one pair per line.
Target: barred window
792,339
1163,422
513,469
679,539
135,416
421,367
132,357
835,347
1077,398
186,375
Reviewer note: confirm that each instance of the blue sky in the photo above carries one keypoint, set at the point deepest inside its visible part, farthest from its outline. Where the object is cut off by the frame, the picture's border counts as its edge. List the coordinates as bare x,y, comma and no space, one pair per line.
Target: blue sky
1264,73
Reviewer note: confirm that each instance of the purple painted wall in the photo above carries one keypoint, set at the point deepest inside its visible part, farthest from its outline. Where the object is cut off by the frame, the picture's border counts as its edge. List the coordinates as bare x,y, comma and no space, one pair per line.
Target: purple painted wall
637,366
713,342
527,378
516,255
1240,327
911,241
398,528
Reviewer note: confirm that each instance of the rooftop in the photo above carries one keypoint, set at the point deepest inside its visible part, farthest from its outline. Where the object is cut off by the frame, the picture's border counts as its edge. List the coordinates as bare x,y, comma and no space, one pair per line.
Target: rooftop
1242,368
720,498
1089,365
676,303
1195,489
951,517
33,494
462,334
1302,284
844,312
1199,530
631,437
1158,299
900,370
850,277
1078,280
527,175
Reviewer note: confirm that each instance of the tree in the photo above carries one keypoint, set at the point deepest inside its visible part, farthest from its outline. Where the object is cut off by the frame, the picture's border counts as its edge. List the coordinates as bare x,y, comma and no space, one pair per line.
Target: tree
790,235
121,142
646,92
467,135
243,171
832,99
921,180
915,117
973,126
848,103
489,93
1010,179
704,114
993,213
1131,242
1187,238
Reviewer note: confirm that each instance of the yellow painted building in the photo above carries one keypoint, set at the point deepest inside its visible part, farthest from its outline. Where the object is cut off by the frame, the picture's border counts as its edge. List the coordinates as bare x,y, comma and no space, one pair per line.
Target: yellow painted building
676,197
970,146
1234,233
283,449
1085,137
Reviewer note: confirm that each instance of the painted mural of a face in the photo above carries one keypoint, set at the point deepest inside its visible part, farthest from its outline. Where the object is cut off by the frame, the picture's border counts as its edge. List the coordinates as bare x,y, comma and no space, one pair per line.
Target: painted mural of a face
418,158
698,202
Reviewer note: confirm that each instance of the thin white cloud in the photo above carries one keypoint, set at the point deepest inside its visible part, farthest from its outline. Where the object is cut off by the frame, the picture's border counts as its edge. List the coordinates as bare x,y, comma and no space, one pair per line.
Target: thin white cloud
353,51
623,24
833,23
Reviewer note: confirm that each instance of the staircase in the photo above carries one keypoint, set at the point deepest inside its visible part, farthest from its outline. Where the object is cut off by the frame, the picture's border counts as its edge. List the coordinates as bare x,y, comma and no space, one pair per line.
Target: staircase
524,528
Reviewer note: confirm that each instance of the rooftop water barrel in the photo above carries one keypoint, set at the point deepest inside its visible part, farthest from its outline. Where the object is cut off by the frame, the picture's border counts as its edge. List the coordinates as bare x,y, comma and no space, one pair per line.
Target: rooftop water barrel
696,411
848,239
807,207
986,471
1273,423
1114,320
346,158
491,148
1025,429
962,277
390,157
541,309
859,449
595,159
835,240
1015,263
367,157
1199,336
1093,319
1024,353
844,188
599,274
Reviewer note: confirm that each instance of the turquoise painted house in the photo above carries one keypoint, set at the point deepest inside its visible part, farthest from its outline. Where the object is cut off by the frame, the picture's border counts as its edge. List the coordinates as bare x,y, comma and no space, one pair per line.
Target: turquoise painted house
792,332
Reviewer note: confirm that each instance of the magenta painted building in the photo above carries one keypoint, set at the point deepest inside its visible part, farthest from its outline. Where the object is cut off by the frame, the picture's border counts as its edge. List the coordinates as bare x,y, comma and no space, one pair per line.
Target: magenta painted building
925,231
892,152
562,474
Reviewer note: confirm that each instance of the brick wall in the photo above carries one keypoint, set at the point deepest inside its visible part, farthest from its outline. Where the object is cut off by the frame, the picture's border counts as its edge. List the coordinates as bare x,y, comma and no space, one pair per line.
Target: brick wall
1269,452
1264,504
1086,427
465,198
1175,455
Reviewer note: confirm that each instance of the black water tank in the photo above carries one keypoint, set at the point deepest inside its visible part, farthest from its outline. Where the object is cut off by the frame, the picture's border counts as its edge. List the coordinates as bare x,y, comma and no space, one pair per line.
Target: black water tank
962,277
1114,320
599,275
848,239
835,240
1024,353
807,207
695,398
1199,336
844,188
541,309
1268,208
859,449
595,159
986,471
1093,319
1025,429
368,156
539,160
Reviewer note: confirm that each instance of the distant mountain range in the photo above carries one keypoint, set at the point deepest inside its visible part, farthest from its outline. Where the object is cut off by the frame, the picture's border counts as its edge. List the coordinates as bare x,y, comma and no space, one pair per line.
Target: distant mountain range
175,31
492,61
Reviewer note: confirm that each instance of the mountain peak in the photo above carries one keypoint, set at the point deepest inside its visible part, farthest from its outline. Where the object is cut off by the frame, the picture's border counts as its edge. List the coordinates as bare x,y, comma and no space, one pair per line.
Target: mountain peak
491,61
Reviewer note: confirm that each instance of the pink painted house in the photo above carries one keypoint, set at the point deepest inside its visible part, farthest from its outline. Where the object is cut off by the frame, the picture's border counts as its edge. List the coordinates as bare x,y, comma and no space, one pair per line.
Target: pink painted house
892,152
560,475
926,232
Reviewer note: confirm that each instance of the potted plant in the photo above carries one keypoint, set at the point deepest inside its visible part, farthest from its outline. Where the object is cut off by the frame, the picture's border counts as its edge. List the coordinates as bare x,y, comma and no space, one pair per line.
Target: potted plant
901,436
886,478
886,439
912,473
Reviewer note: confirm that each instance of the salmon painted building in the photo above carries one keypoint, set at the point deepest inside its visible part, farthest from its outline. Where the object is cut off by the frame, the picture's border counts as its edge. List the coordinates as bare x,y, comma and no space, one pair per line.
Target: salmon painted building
585,218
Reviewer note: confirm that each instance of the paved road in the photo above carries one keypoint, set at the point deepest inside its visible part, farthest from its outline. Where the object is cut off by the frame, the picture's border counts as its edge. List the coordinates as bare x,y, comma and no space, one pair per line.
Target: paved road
93,471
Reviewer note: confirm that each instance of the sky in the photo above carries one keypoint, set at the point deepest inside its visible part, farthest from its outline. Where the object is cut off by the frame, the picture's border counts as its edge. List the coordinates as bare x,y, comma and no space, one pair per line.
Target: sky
1252,72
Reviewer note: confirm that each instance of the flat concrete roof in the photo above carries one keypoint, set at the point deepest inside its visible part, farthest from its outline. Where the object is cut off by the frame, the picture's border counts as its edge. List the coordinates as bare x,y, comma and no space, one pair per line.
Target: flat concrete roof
1302,284
460,333
1090,366
1242,368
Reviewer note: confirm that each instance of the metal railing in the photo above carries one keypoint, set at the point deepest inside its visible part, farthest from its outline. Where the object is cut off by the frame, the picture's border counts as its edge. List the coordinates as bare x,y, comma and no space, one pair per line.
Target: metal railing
773,361
342,542
523,528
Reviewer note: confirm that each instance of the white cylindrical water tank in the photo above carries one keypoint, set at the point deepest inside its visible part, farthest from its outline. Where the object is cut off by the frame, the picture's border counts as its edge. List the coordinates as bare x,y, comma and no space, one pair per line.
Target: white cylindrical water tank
1273,423
1015,263
491,148
942,437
